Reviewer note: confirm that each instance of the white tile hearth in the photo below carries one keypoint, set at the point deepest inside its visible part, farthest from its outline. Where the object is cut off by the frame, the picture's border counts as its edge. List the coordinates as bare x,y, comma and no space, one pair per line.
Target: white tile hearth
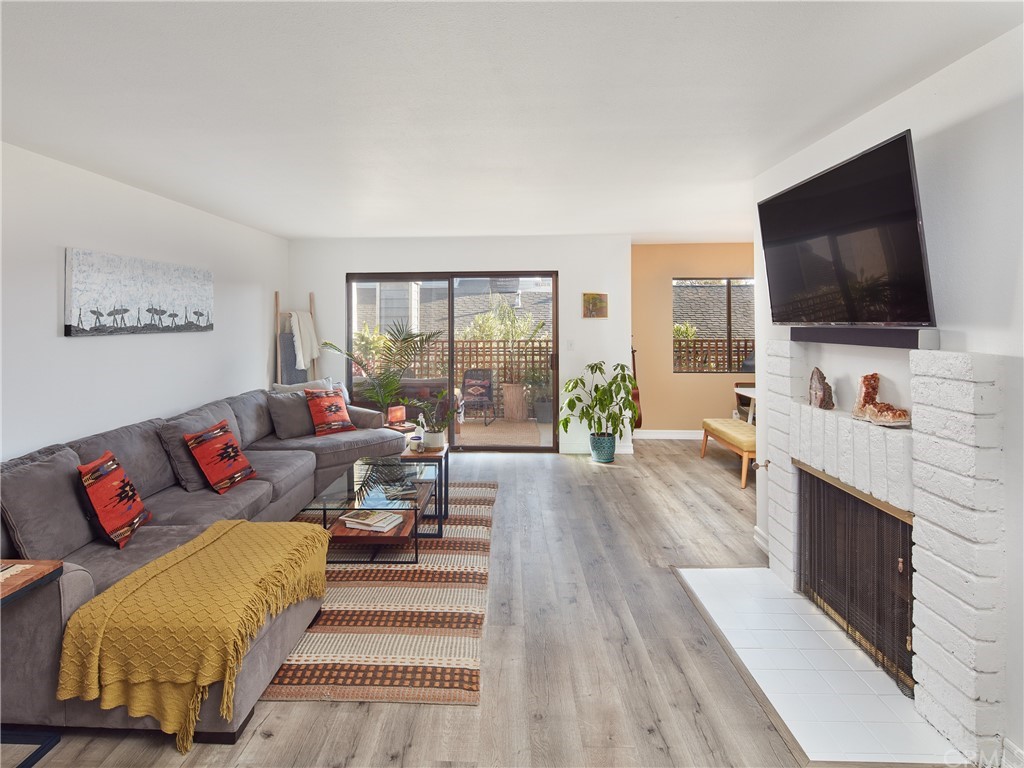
837,704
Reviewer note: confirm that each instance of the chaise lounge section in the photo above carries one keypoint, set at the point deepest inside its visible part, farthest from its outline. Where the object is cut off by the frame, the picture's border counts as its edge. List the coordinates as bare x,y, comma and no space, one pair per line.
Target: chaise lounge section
43,512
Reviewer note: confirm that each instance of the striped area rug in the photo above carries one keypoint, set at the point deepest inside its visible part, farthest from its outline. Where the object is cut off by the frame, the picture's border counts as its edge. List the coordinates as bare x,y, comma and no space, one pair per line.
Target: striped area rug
408,633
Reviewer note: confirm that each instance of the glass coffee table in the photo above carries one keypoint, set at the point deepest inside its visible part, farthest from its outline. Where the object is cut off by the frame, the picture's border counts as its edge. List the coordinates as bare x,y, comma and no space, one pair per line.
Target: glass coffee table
376,488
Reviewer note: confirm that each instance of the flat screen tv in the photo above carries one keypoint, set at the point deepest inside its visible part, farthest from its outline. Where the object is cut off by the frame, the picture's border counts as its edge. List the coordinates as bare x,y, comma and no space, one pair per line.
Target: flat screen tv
846,247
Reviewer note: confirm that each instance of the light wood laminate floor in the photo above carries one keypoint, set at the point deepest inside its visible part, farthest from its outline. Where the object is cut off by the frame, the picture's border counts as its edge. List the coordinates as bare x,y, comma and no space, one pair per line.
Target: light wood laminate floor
593,654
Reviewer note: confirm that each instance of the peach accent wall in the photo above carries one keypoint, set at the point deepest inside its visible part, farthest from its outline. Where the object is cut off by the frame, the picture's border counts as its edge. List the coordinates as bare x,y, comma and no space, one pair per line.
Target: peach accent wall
679,401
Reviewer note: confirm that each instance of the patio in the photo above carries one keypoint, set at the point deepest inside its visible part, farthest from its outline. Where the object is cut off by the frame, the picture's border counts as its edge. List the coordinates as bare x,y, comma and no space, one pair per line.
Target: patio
503,433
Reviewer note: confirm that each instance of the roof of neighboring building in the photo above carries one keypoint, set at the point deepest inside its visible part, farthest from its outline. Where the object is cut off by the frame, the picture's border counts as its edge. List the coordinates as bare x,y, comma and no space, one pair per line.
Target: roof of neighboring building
704,306
433,306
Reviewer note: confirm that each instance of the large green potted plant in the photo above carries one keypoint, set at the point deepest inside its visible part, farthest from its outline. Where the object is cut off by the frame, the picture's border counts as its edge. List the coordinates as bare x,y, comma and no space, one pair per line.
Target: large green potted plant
384,359
602,403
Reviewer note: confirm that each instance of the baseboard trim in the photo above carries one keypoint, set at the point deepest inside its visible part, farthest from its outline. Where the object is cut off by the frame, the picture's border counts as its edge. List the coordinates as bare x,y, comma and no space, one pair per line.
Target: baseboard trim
1013,756
761,540
668,434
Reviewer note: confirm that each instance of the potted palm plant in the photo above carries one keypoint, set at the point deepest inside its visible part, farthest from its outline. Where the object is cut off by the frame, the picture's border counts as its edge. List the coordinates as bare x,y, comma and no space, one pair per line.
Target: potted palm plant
384,359
602,403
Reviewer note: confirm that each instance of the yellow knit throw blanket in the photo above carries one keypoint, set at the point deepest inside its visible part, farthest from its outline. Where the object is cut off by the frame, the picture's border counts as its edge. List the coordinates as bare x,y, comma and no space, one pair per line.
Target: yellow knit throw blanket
156,640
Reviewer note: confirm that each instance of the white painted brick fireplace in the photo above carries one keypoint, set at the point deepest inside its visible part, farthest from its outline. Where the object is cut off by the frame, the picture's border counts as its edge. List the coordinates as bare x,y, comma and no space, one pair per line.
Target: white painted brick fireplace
947,471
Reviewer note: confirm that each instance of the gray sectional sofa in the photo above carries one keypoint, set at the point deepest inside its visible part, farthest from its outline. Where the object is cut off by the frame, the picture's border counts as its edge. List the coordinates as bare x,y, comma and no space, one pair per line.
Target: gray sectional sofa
44,519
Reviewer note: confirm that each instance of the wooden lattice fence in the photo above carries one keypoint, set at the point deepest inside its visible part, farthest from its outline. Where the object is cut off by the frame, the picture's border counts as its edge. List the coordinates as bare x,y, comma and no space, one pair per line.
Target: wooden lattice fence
709,355
510,361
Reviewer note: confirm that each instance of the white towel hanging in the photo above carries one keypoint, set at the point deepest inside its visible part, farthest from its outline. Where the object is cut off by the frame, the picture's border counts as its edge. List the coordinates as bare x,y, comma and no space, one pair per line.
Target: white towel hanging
307,344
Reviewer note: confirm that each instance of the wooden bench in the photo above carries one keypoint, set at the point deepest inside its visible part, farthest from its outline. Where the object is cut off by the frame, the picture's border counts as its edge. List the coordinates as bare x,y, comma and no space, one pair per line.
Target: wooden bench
738,436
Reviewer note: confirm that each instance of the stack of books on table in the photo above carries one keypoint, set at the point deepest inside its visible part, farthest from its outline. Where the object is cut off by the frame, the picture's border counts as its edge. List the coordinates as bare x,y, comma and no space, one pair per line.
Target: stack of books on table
379,520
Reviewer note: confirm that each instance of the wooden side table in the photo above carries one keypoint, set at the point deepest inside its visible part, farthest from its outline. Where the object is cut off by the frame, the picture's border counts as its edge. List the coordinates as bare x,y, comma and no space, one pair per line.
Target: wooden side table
18,578
439,457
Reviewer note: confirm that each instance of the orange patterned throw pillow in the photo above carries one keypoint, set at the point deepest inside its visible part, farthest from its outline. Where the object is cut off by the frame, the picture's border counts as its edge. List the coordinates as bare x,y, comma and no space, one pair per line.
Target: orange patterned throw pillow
217,453
327,407
116,504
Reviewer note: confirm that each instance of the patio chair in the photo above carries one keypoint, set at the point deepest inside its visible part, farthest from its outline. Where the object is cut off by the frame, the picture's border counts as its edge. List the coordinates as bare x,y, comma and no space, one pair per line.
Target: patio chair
478,392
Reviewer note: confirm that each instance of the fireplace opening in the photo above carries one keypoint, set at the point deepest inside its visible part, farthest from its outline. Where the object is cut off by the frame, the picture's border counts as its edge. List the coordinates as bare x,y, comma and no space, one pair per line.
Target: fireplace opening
854,563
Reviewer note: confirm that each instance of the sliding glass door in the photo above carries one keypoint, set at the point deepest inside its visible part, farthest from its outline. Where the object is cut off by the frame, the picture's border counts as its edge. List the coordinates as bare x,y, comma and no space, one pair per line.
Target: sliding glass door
492,346
504,331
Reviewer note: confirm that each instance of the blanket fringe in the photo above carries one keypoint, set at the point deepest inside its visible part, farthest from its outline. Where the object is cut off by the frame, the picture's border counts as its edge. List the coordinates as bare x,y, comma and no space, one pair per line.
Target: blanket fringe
188,728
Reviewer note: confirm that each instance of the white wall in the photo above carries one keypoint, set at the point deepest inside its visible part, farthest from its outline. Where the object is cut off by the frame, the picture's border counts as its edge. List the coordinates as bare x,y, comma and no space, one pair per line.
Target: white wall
595,263
967,122
55,388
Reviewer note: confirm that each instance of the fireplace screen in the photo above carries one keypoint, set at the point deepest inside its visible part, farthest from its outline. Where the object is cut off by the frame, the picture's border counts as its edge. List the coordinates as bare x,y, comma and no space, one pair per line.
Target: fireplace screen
854,562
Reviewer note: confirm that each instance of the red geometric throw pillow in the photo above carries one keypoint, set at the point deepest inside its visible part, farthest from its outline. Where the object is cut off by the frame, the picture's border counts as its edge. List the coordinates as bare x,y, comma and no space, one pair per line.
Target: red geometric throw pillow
115,502
217,453
327,407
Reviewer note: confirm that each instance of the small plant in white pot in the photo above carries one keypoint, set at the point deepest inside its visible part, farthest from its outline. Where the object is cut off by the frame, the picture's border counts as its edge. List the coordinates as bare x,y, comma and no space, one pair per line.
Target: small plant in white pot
435,417
603,404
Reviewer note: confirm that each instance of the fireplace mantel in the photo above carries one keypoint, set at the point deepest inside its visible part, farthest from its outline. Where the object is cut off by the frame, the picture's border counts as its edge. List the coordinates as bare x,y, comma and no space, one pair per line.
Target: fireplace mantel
946,470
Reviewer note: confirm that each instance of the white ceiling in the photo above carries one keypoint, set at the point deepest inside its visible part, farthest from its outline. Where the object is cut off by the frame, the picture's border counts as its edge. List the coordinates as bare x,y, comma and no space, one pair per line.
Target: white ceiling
383,119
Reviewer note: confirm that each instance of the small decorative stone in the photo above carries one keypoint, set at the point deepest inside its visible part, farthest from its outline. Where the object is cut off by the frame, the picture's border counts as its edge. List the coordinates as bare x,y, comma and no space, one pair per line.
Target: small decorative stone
869,408
867,395
820,392
887,415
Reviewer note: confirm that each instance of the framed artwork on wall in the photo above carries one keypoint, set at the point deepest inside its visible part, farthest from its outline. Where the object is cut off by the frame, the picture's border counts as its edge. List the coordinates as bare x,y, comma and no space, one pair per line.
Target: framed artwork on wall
106,294
595,305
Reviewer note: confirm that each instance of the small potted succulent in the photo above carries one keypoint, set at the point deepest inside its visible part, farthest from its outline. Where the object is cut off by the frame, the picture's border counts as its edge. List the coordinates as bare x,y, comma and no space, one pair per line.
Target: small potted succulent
602,403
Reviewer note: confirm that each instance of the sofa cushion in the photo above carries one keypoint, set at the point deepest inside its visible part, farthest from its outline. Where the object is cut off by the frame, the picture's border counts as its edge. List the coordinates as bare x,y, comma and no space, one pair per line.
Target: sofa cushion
43,506
222,409
325,383
340,447
108,566
216,451
290,413
140,451
116,507
365,418
172,435
253,415
327,408
176,506
284,470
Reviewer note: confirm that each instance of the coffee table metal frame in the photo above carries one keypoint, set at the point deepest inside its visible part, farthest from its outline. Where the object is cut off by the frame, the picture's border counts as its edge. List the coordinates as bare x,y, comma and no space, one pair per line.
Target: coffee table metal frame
343,496
439,459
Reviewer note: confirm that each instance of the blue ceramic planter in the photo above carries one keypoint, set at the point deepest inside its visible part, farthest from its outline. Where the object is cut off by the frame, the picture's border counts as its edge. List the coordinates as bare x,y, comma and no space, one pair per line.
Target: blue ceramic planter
602,448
